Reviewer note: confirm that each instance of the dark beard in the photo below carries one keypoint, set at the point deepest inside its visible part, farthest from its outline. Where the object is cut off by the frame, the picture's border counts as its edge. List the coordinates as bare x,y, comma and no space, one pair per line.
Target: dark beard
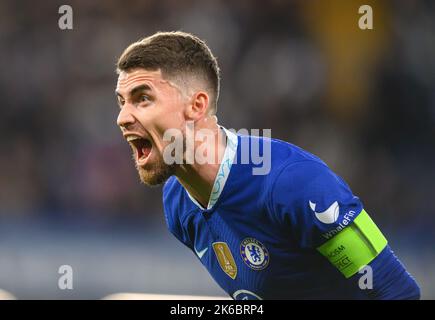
157,174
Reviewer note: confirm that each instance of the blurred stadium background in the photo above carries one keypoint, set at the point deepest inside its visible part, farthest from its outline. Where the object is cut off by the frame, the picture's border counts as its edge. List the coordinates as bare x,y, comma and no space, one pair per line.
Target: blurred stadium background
364,101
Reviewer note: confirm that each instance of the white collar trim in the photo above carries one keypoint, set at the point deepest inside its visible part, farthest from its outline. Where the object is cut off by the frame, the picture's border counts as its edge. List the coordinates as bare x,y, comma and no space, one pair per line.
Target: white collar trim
223,172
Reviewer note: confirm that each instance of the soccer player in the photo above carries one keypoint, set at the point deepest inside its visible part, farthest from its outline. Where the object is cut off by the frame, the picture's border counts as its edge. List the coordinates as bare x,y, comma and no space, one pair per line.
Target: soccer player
294,230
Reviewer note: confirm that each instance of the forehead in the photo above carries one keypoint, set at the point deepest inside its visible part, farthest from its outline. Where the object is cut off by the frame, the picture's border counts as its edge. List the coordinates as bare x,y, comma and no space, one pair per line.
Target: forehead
133,78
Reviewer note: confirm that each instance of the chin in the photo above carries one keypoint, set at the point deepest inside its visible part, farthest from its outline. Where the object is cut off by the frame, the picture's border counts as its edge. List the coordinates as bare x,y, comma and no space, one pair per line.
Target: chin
156,176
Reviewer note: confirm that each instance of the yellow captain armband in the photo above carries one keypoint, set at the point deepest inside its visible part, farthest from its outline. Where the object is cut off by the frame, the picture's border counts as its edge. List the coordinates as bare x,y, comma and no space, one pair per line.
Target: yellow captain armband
355,246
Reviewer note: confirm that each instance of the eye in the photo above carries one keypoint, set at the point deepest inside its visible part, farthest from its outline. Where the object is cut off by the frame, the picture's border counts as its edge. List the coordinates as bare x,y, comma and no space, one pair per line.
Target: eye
121,101
144,98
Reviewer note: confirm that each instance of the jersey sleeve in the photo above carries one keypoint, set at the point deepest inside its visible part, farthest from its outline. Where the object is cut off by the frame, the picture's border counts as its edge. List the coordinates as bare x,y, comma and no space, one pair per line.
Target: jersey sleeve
322,213
386,278
315,202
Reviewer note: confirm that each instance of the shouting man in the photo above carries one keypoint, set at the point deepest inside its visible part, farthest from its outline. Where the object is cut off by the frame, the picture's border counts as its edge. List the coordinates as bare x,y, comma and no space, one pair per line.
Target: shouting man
292,231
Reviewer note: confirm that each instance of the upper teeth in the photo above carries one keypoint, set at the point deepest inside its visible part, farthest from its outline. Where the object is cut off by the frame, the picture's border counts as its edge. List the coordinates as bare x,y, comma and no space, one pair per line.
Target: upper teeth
131,138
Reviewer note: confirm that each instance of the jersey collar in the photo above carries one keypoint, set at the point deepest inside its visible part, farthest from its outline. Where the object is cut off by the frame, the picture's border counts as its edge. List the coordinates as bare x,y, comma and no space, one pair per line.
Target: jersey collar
223,172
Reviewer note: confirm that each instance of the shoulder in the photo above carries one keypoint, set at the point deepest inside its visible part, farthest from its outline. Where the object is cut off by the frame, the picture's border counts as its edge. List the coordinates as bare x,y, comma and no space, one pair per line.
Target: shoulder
286,167
314,200
271,154
171,188
175,206
303,179
304,173
296,180
172,199
293,167
307,179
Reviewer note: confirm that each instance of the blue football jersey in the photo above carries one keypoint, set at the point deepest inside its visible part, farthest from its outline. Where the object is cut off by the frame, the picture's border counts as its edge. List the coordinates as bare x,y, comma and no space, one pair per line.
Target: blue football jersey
260,234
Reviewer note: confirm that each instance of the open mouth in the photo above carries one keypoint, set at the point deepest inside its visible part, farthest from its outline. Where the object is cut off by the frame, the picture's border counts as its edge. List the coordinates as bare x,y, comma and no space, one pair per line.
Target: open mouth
141,146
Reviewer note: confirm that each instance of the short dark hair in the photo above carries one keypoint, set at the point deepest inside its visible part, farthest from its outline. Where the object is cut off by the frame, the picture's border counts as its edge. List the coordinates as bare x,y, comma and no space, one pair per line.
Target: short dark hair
174,53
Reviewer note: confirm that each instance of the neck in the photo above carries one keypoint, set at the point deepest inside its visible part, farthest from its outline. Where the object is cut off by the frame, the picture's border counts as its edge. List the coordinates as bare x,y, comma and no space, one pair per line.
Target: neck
198,179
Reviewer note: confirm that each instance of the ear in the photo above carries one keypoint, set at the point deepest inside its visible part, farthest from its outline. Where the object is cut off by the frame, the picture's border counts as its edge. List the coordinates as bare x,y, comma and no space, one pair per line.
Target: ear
198,106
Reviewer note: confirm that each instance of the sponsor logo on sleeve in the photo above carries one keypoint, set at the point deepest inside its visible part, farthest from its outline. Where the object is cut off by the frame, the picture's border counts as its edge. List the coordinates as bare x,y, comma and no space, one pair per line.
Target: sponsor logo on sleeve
330,216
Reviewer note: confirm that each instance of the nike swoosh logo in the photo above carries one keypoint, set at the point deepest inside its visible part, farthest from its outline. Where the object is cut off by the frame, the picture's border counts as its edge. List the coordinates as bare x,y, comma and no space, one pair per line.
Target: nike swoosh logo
201,253
328,216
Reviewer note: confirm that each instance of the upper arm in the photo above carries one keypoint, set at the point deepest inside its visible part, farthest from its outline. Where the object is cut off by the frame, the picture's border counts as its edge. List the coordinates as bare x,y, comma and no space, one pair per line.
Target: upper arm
323,214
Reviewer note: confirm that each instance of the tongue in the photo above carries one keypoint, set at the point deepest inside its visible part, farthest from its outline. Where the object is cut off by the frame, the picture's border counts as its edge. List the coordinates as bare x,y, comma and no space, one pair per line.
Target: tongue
145,151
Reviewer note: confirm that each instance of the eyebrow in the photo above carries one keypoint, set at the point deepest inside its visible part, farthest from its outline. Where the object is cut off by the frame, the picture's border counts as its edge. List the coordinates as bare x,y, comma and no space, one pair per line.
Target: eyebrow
142,87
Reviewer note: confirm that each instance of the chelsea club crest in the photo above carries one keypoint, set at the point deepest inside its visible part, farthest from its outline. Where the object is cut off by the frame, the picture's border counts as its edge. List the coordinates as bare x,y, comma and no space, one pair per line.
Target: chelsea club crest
254,253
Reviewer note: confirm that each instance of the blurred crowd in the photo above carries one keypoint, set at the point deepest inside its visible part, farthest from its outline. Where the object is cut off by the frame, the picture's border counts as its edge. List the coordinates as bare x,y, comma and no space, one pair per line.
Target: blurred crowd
364,101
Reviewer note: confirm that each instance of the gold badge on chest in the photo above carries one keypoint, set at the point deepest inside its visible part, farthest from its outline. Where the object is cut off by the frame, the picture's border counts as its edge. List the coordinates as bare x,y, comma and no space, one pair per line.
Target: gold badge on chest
225,259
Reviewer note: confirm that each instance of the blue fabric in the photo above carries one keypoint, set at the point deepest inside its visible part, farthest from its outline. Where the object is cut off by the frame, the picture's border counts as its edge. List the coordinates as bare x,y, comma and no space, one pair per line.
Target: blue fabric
273,223
391,281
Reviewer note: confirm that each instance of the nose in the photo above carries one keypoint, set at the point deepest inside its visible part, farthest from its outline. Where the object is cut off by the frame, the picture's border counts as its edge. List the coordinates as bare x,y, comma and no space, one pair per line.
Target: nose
125,117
